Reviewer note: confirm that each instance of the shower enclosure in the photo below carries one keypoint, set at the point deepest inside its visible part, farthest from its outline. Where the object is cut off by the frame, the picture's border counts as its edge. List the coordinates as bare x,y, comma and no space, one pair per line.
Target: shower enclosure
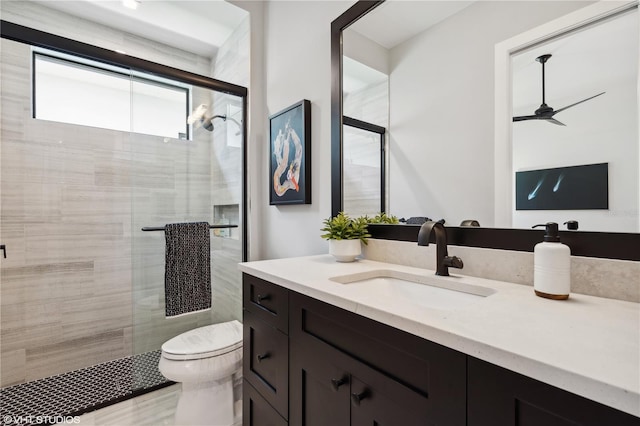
96,156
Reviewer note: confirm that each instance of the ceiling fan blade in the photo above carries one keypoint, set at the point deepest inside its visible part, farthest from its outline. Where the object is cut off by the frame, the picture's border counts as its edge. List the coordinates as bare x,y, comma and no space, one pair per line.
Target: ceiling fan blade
554,121
526,117
572,105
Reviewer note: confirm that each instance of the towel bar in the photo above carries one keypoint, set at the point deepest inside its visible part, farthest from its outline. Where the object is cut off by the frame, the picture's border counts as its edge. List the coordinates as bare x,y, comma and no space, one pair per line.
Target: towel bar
161,228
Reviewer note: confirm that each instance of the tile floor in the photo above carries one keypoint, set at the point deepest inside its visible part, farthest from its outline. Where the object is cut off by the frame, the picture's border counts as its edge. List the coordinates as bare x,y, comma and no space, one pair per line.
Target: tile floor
81,390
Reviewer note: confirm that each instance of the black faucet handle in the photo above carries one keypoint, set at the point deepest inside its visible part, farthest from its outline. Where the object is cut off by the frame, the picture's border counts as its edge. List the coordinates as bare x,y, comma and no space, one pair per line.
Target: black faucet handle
453,262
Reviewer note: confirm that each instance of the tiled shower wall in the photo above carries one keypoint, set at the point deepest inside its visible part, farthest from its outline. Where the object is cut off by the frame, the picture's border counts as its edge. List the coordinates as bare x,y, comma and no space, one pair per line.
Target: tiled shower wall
65,284
73,201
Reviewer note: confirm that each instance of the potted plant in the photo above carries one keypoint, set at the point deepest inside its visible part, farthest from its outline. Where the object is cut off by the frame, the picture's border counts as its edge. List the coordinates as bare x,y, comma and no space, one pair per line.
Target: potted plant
344,235
384,218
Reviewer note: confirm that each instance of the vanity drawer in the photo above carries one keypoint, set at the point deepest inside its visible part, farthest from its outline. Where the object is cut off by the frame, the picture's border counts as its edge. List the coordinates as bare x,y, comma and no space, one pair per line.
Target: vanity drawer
266,361
256,411
269,302
432,370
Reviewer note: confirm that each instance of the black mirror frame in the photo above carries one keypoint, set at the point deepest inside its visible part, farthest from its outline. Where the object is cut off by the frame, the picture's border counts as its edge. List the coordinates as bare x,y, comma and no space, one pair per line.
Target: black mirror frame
609,245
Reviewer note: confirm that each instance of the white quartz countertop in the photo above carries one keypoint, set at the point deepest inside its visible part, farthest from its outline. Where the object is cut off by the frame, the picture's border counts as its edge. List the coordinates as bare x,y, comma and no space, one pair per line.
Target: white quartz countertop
586,345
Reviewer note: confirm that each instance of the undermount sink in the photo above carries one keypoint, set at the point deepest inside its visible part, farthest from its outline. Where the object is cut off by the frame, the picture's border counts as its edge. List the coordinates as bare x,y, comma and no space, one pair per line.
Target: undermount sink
423,290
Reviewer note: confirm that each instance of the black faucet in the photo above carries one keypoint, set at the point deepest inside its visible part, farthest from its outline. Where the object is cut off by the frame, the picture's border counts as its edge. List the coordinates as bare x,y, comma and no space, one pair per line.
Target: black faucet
443,260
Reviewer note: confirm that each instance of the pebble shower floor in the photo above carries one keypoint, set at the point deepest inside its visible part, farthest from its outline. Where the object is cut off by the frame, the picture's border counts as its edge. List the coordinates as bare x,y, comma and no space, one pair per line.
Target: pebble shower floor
80,391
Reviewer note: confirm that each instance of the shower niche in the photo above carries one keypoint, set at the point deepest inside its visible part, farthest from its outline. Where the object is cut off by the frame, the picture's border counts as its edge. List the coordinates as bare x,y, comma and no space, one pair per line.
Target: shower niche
226,214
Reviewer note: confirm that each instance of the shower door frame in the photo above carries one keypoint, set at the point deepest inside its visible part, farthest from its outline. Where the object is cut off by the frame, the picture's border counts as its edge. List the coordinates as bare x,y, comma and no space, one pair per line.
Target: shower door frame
33,37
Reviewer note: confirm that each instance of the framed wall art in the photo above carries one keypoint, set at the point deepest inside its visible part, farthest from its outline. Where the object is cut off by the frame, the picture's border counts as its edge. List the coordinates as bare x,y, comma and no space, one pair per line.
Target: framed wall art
290,155
584,187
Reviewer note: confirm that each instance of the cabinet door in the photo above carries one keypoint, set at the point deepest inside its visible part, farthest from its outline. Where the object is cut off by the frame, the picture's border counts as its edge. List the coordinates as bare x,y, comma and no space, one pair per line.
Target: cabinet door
384,405
319,389
266,361
330,388
499,397
256,411
437,373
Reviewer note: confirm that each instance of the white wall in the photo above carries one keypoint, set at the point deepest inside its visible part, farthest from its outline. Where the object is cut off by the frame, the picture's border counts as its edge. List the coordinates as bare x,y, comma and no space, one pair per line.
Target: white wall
297,53
442,110
365,51
255,125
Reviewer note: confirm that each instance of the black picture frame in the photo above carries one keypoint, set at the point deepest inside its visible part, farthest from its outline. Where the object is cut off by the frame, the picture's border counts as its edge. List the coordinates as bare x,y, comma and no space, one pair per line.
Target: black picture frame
290,155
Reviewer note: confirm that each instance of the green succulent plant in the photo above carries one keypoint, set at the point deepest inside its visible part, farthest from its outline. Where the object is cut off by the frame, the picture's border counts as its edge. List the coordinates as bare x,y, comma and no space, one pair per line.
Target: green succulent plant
342,227
383,218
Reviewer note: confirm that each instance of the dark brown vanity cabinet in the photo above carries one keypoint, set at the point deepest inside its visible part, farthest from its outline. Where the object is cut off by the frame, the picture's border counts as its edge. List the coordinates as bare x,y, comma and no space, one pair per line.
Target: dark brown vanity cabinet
308,363
499,397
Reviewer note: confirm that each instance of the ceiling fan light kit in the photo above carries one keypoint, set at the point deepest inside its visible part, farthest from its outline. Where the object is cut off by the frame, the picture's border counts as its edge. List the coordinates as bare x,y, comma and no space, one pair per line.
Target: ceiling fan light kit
545,112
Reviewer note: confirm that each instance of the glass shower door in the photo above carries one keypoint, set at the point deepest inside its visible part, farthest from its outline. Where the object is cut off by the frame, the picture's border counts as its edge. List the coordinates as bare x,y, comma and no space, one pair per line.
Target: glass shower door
194,174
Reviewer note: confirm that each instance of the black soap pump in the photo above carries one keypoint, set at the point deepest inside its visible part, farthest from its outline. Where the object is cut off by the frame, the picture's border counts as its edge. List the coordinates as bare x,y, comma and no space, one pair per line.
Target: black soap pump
551,265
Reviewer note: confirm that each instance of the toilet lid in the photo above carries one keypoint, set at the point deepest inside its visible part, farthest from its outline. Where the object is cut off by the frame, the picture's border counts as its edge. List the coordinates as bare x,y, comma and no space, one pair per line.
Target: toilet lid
204,342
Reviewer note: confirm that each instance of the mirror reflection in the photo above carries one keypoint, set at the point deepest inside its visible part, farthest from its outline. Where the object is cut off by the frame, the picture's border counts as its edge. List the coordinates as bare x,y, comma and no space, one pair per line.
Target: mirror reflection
439,58
590,151
366,115
363,170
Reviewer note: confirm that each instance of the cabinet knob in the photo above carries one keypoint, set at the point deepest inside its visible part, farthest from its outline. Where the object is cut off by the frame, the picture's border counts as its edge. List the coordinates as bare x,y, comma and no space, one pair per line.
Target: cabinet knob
263,356
336,383
357,397
260,298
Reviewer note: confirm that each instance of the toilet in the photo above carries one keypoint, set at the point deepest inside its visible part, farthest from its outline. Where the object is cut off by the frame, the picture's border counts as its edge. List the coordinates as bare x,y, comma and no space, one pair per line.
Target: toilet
207,361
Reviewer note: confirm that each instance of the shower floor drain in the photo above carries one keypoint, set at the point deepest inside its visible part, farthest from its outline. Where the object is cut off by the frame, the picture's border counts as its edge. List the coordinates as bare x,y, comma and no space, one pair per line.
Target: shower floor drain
84,390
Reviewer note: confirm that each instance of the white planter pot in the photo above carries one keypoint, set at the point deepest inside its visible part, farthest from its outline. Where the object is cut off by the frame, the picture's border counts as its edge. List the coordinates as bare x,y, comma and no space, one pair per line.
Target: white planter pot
345,250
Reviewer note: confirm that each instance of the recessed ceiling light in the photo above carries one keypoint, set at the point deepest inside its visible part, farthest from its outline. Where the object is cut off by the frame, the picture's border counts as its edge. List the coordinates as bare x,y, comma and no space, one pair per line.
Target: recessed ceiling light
122,52
131,4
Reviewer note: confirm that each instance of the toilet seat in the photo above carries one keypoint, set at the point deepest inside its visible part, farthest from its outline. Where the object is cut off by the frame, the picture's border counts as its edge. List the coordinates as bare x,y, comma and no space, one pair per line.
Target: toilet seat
204,342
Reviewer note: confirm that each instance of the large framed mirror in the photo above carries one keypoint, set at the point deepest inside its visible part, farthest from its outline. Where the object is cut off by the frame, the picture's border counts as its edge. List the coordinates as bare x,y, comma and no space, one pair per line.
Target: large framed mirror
453,92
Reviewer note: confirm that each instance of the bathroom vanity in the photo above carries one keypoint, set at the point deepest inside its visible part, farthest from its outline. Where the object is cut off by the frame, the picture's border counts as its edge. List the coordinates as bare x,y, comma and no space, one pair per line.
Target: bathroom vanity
327,343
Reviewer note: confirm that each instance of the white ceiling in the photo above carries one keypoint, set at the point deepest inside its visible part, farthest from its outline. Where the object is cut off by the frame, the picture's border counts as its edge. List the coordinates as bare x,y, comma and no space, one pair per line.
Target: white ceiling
396,21
195,26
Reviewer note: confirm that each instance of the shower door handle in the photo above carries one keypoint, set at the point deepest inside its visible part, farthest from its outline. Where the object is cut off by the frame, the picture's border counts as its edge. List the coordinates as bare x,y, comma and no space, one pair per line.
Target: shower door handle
4,250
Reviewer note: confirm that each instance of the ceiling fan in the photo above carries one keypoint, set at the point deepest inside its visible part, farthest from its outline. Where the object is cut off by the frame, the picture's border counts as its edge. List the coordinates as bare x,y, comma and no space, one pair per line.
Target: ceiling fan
545,112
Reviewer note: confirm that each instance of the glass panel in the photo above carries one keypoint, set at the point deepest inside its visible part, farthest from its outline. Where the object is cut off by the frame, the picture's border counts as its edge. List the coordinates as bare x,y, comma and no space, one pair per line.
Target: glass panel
362,171
82,284
177,181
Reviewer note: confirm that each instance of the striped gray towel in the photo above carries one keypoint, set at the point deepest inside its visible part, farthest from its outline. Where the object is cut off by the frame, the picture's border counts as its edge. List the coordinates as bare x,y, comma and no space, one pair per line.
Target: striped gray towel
187,274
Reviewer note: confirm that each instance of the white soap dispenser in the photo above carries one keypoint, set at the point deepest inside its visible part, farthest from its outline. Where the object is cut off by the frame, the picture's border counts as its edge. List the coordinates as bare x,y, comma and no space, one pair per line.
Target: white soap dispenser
551,265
